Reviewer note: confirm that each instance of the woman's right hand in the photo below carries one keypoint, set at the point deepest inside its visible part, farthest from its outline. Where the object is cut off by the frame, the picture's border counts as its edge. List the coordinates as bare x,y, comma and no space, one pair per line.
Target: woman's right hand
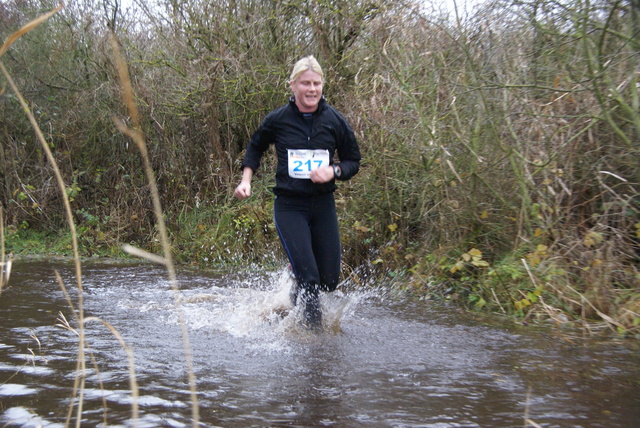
243,191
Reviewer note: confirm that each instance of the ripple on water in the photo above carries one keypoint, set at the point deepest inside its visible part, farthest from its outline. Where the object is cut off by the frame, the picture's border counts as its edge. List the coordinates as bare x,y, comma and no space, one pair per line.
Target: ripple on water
13,389
19,416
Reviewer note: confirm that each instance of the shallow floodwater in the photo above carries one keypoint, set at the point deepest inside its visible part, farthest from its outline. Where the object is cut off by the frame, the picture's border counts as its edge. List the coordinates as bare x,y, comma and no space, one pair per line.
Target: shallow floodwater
380,360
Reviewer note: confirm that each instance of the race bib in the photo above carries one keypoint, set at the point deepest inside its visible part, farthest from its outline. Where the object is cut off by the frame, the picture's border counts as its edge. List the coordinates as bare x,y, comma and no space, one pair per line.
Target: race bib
302,162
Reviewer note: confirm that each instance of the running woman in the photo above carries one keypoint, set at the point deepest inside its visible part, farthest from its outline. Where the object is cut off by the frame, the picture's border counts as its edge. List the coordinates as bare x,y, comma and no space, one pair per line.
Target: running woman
307,134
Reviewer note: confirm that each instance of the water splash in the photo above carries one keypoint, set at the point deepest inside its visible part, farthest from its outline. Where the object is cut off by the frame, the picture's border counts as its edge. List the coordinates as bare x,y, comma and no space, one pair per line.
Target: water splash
260,310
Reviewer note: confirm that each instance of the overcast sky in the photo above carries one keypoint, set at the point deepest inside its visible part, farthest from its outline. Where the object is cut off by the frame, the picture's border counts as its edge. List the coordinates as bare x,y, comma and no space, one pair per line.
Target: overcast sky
462,4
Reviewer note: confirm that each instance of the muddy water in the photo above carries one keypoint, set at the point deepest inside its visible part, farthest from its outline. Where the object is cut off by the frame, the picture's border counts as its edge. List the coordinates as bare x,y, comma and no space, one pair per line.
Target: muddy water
379,361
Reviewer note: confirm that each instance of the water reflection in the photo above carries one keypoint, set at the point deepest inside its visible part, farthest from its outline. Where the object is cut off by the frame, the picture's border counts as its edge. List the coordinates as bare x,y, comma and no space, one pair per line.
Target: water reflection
380,361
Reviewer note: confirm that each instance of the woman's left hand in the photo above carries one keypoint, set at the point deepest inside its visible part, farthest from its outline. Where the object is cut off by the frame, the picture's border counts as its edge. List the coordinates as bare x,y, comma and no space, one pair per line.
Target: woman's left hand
322,175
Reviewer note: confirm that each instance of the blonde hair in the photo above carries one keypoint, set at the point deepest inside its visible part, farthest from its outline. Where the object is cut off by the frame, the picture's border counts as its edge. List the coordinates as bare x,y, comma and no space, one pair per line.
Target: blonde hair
304,64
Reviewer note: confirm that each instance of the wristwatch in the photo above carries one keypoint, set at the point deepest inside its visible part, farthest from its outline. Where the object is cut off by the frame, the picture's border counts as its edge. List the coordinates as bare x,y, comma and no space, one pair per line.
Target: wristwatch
337,172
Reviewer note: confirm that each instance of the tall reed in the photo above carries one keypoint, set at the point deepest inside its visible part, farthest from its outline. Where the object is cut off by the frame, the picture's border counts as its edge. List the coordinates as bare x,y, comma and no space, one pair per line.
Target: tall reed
79,382
81,372
137,135
5,264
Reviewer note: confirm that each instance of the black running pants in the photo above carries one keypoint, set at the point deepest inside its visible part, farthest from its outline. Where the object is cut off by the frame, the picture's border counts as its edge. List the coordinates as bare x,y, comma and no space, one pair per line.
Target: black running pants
308,229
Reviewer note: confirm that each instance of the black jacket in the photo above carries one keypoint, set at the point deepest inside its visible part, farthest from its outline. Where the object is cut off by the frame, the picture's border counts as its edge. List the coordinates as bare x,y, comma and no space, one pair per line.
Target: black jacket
287,128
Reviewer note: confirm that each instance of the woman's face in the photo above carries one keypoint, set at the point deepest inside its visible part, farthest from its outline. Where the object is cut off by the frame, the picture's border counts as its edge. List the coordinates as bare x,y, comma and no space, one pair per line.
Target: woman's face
307,90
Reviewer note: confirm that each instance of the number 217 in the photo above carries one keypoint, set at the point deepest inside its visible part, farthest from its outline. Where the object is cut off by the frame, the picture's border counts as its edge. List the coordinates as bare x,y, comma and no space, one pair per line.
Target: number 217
308,164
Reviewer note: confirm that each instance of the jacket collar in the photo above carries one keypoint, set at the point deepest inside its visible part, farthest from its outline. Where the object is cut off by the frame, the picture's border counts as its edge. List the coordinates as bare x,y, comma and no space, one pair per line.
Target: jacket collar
321,105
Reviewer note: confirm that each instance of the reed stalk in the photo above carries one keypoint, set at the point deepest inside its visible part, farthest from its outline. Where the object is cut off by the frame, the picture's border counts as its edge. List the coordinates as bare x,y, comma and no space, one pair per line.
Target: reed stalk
133,383
81,369
80,380
136,134
5,265
63,323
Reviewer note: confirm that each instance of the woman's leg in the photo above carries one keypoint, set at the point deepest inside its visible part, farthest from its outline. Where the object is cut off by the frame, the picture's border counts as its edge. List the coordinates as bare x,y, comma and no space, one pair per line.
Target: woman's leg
293,217
309,232
325,238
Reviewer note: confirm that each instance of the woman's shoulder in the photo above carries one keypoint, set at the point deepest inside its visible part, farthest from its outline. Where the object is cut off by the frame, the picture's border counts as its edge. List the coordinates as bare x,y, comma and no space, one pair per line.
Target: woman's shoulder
335,114
278,113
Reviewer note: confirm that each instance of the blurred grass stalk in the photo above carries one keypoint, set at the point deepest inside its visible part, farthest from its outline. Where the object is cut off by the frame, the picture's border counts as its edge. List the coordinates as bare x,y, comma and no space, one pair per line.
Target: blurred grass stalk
138,138
81,372
5,265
